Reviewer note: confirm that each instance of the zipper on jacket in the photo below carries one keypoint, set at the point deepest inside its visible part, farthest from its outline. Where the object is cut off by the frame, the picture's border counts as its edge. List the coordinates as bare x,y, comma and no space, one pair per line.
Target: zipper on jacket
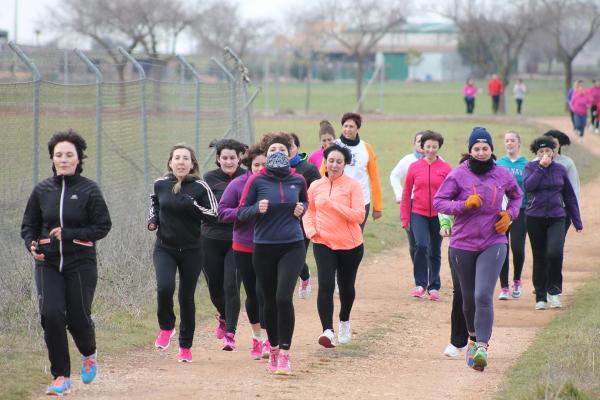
429,188
60,213
281,192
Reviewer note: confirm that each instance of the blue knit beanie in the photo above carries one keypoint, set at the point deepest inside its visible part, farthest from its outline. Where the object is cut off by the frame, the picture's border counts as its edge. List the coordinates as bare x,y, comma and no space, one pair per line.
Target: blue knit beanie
480,135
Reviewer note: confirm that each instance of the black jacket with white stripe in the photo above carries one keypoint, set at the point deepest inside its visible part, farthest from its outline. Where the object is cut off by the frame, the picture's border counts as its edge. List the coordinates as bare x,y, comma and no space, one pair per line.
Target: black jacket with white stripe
75,204
179,215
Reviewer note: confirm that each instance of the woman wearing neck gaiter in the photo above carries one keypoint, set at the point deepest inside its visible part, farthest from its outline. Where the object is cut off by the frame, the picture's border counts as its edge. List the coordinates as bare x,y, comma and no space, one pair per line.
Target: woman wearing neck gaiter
276,196
473,193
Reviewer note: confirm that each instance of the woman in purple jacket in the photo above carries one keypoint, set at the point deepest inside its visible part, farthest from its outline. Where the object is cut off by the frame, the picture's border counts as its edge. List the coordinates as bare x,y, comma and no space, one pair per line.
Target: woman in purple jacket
243,247
473,193
550,200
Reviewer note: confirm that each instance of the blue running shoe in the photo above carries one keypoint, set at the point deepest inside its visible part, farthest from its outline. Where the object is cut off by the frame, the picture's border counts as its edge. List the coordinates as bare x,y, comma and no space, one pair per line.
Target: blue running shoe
89,367
469,353
61,385
480,357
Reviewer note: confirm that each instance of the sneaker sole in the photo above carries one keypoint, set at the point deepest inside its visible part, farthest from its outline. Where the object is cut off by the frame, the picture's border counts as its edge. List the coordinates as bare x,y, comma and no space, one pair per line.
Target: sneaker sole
282,372
53,393
326,342
228,348
181,360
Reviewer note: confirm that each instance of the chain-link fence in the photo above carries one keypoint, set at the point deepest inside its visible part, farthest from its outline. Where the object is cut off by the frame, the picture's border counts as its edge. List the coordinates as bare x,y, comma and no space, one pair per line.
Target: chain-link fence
131,109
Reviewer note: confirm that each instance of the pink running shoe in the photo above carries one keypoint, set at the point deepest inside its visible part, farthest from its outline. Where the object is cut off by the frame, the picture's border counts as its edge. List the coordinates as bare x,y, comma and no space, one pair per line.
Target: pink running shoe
164,338
434,295
273,360
418,292
229,341
221,329
256,351
266,349
185,355
284,366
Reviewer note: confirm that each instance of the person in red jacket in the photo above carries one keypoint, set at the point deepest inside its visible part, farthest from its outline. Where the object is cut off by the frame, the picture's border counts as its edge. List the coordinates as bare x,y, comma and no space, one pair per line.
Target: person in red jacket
495,88
423,179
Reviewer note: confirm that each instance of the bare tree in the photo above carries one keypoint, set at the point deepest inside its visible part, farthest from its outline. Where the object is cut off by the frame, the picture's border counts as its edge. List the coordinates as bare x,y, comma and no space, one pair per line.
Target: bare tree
357,26
494,34
571,24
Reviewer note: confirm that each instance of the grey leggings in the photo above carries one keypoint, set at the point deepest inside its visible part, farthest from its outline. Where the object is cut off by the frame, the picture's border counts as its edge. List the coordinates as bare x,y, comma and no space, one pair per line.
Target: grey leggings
478,272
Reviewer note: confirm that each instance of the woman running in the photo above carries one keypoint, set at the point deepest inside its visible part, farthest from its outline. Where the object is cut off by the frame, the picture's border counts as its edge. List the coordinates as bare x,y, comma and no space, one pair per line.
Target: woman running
65,215
276,197
550,200
181,201
217,254
473,193
423,179
243,247
515,163
326,137
332,222
579,104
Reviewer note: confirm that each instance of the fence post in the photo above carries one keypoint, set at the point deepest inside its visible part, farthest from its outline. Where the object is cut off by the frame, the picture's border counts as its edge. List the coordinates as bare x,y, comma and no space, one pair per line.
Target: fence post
231,81
37,78
196,75
142,75
244,80
99,110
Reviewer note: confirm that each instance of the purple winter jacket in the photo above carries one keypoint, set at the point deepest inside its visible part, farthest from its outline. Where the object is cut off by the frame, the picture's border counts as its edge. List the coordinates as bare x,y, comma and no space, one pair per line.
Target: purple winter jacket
243,231
473,229
549,193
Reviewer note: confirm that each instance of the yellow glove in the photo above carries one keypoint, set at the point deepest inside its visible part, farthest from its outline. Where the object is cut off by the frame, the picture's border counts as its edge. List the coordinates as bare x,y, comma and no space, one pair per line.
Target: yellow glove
473,200
503,223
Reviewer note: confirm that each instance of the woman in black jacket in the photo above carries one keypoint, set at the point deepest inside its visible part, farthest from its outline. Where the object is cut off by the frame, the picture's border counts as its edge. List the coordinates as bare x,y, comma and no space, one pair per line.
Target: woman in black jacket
65,215
180,203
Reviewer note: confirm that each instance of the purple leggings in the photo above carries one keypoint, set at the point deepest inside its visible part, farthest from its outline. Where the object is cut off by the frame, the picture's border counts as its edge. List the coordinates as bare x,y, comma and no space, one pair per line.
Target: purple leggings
478,272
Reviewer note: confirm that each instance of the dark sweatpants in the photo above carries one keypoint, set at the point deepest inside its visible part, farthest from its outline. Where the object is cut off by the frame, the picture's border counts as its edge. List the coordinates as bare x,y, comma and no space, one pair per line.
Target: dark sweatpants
345,263
277,267
459,335
65,301
516,235
167,261
478,272
254,298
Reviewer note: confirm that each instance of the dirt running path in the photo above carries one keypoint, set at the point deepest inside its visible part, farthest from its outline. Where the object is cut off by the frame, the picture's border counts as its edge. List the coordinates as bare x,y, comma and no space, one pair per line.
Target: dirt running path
397,347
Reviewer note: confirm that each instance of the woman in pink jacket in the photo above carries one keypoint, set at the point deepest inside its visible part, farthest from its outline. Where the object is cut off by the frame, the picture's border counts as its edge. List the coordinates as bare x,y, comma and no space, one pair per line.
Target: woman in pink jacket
423,179
336,208
580,103
470,91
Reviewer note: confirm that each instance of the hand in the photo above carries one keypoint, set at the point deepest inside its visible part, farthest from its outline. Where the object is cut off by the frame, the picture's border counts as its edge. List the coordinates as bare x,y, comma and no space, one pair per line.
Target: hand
376,214
444,232
545,161
152,227
56,232
503,223
298,210
473,200
263,205
406,227
37,256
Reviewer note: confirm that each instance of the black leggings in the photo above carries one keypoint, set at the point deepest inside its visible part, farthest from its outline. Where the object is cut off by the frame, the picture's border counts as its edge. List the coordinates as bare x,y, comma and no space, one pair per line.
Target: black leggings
459,335
516,235
166,263
219,269
305,272
65,301
254,297
345,263
547,238
277,267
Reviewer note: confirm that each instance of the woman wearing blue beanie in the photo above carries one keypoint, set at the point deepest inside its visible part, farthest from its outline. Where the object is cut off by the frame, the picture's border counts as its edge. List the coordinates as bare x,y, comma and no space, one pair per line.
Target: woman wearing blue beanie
473,193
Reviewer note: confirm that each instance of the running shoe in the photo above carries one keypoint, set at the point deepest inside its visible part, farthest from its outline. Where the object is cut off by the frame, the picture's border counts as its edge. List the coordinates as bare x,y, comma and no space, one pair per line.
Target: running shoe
469,353
345,332
517,289
480,357
61,385
273,359
434,295
327,339
266,349
504,292
540,305
185,355
229,341
418,292
89,367
284,366
305,289
164,338
453,351
221,328
554,301
256,351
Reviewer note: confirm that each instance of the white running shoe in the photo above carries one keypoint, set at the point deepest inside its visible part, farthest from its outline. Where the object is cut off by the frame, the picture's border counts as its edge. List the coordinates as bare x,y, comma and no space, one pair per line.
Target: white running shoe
345,332
554,301
327,339
453,351
540,305
305,289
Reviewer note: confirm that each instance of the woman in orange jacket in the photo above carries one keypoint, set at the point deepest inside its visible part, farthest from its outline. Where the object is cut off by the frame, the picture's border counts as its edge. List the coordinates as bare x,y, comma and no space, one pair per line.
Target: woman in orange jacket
336,210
